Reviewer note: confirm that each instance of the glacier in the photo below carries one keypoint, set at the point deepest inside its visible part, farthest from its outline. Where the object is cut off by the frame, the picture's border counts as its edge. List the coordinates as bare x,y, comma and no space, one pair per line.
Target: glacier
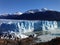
18,27
23,26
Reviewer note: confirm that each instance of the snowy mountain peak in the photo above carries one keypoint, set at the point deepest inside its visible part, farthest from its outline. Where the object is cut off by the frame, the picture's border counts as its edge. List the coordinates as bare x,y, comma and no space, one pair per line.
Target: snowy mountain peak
4,14
37,10
18,13
32,11
44,9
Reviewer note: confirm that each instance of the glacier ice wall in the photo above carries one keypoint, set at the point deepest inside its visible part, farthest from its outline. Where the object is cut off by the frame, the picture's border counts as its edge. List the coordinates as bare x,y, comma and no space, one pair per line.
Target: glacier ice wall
23,26
45,25
16,26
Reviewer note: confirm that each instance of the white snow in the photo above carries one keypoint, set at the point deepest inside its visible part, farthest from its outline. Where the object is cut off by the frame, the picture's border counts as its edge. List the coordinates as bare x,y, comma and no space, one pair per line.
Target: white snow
44,9
18,13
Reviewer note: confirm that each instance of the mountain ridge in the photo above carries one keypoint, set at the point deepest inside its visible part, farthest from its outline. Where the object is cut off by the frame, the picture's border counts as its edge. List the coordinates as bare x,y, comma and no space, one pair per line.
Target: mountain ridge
40,15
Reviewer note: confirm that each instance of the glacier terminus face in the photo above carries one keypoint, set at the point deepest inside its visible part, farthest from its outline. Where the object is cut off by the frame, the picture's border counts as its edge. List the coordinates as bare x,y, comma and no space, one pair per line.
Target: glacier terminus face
23,26
19,27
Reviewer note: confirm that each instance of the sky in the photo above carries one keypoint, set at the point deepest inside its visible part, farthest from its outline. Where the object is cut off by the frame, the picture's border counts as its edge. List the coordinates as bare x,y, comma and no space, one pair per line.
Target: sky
12,6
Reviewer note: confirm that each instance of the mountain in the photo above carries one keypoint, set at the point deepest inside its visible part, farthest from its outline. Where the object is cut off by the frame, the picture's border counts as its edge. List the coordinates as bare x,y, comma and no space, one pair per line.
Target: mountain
37,15
32,11
18,13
